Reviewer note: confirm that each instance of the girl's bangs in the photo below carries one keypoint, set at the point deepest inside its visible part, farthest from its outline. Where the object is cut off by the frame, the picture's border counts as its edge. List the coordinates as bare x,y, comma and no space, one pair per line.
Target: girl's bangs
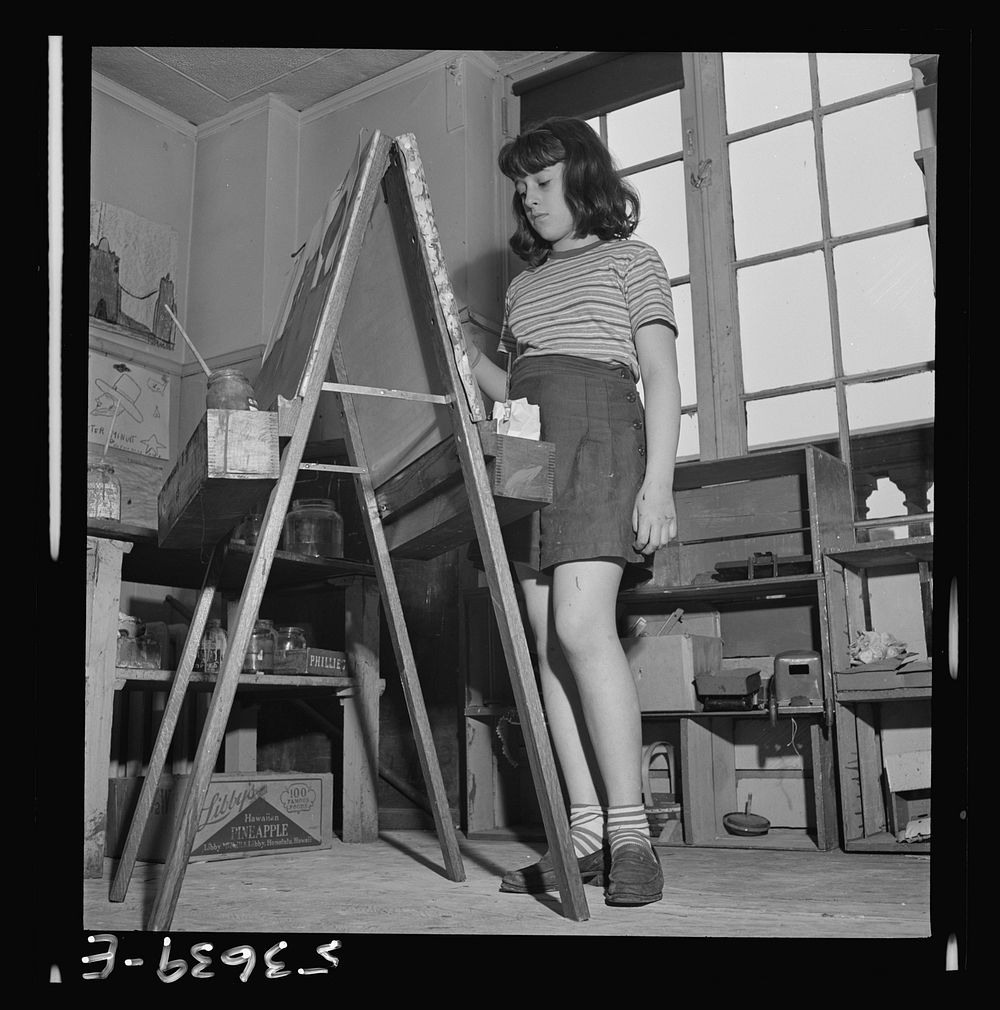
530,153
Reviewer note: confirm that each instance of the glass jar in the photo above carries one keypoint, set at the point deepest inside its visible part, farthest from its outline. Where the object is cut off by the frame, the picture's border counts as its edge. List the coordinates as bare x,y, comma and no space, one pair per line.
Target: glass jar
229,389
104,493
248,530
314,528
212,648
290,649
260,653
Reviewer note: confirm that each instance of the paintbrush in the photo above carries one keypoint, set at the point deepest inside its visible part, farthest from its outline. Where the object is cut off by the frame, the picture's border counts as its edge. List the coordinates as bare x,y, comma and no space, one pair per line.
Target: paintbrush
194,350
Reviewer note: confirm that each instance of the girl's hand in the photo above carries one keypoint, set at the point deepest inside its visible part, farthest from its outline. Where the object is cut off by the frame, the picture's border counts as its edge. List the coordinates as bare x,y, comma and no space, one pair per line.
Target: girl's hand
654,517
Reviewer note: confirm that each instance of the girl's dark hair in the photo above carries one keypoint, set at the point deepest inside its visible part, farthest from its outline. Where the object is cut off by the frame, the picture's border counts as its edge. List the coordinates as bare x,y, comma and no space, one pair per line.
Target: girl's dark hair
601,202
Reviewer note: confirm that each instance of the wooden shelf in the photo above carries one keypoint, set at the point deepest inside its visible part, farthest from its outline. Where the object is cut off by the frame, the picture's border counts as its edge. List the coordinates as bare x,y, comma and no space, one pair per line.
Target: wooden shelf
742,591
186,569
784,712
885,842
776,838
158,678
886,553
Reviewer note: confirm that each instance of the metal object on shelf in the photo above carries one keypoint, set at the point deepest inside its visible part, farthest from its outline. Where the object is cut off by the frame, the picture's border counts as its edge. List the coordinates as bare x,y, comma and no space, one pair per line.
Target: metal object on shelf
797,674
736,690
746,823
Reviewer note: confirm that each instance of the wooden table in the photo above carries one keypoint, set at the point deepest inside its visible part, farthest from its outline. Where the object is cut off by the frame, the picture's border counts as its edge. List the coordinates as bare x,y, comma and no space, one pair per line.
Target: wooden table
120,551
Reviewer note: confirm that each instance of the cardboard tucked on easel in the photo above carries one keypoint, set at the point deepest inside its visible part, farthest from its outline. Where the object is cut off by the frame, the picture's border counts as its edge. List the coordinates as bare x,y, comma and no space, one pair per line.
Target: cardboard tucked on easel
251,814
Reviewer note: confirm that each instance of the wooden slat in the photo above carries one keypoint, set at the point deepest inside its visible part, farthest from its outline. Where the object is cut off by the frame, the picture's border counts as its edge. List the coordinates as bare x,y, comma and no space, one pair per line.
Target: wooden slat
824,787
697,785
104,561
724,794
361,722
240,750
870,764
164,736
830,504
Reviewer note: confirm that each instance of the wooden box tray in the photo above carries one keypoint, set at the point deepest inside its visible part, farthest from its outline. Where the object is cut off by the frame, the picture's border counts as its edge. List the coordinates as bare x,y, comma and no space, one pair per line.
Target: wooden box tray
229,464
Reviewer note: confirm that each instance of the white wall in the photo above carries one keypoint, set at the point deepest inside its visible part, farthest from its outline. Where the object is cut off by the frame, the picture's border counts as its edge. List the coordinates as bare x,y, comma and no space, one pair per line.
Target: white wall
146,166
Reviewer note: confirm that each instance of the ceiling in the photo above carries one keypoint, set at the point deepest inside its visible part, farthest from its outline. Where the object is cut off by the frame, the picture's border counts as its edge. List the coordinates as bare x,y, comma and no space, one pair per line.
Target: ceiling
202,83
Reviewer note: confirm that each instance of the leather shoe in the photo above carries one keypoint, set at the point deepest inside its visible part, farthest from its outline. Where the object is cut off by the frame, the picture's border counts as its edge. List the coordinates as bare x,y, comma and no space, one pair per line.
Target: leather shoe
636,876
541,876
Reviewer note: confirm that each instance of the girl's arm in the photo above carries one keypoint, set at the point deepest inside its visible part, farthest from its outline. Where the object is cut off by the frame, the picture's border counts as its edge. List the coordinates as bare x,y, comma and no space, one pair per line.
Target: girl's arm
654,517
492,378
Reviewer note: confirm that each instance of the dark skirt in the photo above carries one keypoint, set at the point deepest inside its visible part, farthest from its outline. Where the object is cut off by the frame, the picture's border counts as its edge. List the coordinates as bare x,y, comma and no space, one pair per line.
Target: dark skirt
592,413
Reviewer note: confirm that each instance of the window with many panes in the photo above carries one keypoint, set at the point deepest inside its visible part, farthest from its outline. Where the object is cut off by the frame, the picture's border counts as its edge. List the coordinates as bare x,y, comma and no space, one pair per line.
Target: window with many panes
785,194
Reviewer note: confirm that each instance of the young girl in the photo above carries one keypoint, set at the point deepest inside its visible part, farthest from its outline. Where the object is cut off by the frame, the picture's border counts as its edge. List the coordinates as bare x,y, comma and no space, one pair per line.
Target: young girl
591,314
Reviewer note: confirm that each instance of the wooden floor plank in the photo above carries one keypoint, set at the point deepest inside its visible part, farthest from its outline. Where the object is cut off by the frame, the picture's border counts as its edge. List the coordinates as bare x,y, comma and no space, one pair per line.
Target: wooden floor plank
396,885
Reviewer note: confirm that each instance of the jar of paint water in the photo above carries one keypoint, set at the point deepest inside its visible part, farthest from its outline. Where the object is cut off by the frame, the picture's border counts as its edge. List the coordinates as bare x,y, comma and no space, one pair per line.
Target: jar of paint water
229,389
290,650
260,653
313,527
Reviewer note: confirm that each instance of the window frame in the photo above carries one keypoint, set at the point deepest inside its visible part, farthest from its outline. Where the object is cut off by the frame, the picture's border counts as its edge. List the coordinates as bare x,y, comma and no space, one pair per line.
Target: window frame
713,265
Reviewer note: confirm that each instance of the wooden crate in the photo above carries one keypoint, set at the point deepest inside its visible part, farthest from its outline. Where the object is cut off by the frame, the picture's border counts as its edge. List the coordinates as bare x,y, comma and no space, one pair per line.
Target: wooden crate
255,814
665,667
228,466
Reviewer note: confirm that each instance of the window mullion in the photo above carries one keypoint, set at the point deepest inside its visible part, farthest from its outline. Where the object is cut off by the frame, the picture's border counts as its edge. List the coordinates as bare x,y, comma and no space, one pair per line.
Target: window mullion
721,417
840,387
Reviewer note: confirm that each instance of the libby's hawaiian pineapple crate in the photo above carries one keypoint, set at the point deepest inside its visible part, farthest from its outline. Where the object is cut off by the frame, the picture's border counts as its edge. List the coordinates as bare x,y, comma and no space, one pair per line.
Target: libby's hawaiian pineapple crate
250,814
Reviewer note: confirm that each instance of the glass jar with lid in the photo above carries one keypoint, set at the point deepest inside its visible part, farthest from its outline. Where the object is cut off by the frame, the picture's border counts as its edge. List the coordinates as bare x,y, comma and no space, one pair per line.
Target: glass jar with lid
260,653
229,389
314,528
212,648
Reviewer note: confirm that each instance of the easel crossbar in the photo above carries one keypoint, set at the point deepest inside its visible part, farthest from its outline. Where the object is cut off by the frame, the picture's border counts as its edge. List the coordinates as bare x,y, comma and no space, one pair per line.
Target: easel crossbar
398,394
332,468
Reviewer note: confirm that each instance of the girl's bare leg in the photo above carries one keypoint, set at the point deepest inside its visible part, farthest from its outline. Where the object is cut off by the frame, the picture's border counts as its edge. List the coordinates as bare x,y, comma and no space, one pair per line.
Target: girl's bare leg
583,606
563,712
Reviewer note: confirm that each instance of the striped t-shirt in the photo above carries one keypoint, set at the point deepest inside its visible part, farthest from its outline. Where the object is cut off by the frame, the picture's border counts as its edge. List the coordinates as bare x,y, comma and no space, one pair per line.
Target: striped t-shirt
588,302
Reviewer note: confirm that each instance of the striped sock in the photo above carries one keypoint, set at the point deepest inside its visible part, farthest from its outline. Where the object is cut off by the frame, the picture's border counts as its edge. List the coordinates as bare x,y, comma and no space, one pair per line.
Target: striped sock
586,828
628,826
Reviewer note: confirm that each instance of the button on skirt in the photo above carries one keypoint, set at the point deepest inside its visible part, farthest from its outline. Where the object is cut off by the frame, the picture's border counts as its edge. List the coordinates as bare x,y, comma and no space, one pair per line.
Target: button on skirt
592,414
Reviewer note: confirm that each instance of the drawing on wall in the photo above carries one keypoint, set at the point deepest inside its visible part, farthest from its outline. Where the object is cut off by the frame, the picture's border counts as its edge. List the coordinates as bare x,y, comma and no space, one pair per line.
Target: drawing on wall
132,263
128,407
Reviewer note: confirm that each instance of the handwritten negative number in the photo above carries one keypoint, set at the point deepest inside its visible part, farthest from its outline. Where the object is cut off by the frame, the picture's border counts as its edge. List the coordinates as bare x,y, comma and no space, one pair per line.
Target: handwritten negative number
172,969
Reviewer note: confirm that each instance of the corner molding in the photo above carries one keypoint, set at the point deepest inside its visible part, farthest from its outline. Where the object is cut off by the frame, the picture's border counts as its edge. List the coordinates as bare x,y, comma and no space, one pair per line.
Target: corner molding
143,105
439,58
266,103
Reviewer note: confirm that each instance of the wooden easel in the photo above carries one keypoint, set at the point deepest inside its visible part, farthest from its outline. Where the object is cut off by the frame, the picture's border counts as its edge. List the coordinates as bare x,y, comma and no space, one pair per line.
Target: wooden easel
386,430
